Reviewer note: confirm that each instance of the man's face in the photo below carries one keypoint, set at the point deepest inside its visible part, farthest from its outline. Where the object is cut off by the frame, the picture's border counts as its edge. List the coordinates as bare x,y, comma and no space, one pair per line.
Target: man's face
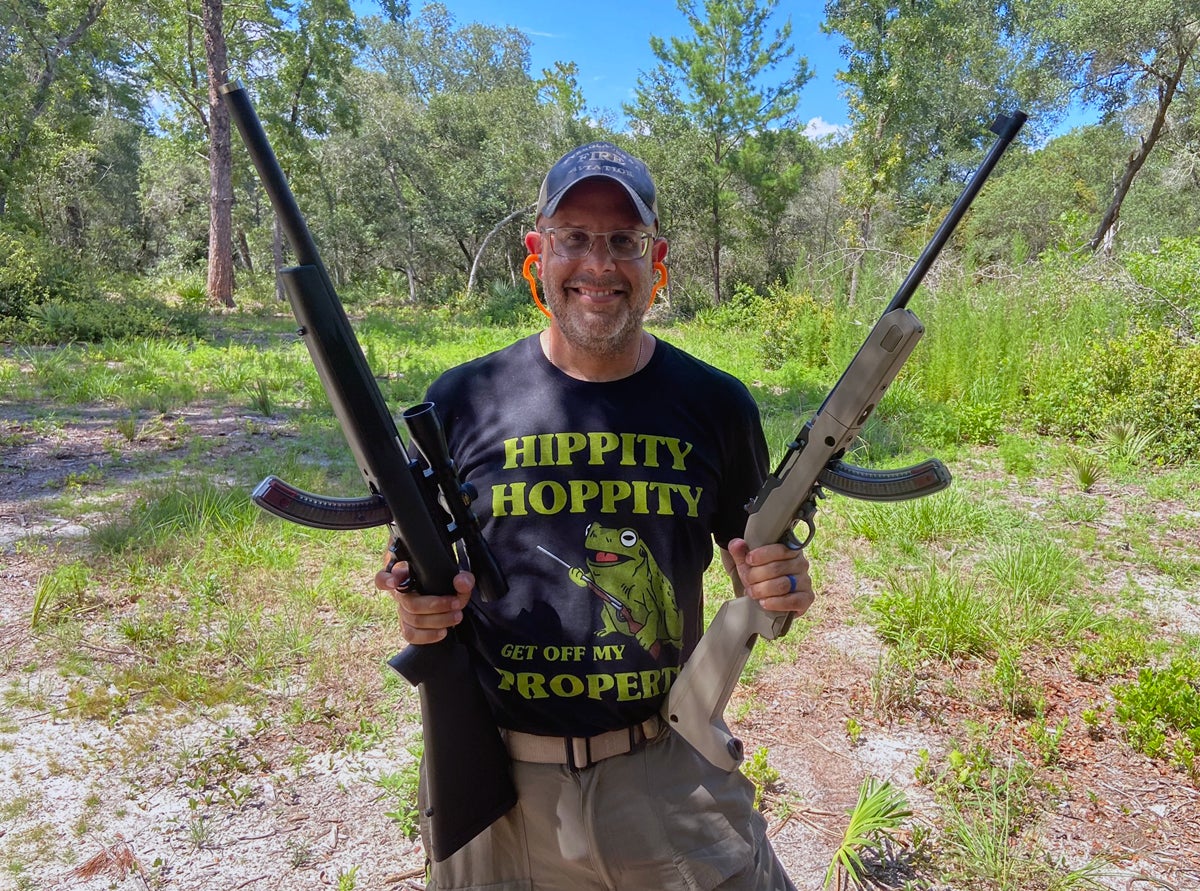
597,302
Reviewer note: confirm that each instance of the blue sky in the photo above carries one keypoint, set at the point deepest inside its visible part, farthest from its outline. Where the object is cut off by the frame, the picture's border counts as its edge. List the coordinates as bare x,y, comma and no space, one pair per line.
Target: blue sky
610,42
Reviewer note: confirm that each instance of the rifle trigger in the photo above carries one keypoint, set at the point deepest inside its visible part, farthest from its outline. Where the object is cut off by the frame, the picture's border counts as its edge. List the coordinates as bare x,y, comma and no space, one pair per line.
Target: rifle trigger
807,515
398,552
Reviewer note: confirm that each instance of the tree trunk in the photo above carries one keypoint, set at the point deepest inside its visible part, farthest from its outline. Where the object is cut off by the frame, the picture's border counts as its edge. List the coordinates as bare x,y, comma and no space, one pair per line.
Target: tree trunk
220,160
243,248
483,244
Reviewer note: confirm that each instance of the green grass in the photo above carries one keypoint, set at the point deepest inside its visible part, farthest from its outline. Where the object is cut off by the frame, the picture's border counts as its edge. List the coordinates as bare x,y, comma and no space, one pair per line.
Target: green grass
1033,556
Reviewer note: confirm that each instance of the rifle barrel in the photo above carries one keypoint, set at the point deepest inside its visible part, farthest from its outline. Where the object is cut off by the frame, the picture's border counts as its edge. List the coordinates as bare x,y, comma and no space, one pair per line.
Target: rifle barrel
1006,127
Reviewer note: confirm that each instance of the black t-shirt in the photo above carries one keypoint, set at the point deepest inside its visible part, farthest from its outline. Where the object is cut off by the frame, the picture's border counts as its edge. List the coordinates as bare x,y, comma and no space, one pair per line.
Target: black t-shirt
601,502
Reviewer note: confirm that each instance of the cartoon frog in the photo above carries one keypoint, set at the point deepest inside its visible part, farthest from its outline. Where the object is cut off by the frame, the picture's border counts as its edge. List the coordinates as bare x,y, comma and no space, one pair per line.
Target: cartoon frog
639,599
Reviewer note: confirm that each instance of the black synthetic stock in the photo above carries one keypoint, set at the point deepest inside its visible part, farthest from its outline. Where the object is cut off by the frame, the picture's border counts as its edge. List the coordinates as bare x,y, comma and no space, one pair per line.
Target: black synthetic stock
467,767
460,771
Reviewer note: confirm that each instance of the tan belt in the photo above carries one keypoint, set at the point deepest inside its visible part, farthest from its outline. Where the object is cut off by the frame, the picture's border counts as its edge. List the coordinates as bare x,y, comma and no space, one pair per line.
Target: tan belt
579,752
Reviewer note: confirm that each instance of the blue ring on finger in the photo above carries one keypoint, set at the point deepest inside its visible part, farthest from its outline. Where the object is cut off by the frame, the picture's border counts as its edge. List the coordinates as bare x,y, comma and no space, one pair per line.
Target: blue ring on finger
791,584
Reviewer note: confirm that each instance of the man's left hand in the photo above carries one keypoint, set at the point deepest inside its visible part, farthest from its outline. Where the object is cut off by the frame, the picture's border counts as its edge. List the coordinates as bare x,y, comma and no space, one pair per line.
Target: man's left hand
774,575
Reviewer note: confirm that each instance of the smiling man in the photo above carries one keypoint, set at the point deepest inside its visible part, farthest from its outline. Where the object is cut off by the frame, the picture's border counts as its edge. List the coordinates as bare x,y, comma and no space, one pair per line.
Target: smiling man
608,463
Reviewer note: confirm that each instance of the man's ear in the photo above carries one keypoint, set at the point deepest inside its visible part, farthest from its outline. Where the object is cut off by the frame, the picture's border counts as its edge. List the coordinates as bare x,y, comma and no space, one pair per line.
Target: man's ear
533,242
658,250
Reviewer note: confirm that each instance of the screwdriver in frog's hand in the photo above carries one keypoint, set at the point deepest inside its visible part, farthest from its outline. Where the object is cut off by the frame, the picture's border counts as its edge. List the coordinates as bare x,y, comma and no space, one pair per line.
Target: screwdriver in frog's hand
621,608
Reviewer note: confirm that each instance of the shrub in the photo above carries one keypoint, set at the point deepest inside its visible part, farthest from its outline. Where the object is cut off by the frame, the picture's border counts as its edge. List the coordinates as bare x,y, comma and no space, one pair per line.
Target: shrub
1161,712
101,318
21,284
798,329
1172,272
1150,379
741,311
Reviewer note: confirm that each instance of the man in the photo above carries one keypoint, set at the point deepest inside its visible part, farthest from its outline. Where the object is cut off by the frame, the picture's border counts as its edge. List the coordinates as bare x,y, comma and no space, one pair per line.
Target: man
607,462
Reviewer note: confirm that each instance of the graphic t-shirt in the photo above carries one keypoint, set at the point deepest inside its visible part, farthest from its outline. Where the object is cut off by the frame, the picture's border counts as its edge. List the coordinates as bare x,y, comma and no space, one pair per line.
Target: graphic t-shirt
601,502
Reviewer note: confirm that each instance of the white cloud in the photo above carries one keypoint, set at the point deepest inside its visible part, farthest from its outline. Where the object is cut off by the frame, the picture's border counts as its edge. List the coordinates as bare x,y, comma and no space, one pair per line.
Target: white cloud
819,128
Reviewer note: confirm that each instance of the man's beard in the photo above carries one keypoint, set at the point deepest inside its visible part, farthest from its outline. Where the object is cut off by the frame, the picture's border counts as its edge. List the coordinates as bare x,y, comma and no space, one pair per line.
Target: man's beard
602,334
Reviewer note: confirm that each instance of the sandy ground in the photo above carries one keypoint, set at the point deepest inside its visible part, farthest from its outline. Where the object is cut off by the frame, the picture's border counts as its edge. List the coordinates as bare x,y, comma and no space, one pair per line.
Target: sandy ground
139,802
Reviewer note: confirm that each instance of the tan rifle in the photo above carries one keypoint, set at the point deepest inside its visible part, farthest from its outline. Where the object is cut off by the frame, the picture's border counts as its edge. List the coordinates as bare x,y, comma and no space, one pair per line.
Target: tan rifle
695,707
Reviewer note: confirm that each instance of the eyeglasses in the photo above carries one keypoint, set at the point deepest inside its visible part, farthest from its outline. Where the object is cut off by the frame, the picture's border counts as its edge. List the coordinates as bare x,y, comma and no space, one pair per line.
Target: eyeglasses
574,244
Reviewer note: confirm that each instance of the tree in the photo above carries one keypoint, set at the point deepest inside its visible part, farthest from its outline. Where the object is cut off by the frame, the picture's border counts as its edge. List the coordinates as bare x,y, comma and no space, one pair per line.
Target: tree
453,124
923,79
51,55
1133,60
720,85
301,95
220,158
185,53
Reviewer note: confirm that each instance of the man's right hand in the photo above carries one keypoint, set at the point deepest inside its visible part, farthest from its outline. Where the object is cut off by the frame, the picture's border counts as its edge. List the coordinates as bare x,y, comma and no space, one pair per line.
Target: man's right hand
425,618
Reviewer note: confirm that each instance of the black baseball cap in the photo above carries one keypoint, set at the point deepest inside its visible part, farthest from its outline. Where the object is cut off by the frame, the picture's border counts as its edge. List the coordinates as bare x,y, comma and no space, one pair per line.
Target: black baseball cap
600,159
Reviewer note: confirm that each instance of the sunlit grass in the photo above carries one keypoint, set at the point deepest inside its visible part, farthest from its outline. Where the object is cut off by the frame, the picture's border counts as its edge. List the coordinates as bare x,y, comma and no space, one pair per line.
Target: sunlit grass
213,604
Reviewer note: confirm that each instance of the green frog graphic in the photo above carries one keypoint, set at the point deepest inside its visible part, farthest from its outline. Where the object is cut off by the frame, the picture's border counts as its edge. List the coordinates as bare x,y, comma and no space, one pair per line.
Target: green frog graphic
639,599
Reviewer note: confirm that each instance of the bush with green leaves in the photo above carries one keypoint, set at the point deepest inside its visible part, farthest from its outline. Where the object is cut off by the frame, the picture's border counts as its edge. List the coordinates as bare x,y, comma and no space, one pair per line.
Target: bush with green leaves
743,310
1161,712
1172,274
20,278
97,317
1149,378
798,329
33,273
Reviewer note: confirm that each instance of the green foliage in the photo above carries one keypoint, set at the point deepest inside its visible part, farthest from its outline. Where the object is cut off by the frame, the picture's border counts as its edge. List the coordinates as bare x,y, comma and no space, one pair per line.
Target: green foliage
21,284
743,310
1114,648
911,72
1086,466
940,613
34,275
46,298
178,513
878,814
1017,694
712,88
400,793
97,317
1044,201
1018,455
1148,377
986,809
760,772
1172,273
798,329
944,516
58,592
503,305
1161,712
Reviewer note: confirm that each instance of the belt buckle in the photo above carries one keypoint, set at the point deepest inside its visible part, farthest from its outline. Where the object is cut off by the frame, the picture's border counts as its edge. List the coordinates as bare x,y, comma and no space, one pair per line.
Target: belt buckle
579,752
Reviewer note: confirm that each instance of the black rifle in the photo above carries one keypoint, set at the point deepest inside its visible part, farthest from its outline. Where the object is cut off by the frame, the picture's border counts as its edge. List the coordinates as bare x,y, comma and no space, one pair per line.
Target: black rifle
426,508
813,463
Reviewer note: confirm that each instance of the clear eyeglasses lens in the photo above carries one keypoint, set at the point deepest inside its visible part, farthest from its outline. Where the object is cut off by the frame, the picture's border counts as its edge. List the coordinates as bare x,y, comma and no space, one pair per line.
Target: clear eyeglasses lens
623,244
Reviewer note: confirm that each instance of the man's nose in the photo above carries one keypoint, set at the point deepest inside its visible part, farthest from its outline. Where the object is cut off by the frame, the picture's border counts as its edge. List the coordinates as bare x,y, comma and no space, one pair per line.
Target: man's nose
599,257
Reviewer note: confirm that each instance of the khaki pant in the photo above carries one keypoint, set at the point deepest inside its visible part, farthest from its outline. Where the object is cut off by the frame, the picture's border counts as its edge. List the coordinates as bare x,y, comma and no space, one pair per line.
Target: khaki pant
661,817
